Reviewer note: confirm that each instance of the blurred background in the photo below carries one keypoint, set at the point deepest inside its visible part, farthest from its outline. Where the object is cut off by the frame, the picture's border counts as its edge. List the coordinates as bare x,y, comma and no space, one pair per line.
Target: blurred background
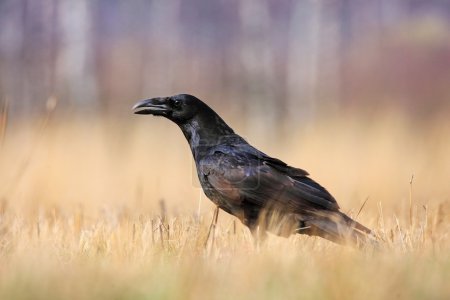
274,58
355,92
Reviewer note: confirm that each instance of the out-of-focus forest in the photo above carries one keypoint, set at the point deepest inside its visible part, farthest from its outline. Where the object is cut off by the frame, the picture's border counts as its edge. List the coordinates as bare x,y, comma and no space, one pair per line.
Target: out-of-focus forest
286,60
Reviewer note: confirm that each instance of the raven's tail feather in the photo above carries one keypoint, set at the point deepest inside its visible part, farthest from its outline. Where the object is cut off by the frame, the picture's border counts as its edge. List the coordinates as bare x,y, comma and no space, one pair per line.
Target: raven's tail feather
339,228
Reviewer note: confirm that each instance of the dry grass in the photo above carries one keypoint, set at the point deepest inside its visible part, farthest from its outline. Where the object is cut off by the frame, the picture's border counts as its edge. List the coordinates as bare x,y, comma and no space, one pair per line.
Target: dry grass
81,214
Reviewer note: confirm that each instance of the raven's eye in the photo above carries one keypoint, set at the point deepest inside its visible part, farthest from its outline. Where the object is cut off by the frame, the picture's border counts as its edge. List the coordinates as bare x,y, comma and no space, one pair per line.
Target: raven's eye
176,103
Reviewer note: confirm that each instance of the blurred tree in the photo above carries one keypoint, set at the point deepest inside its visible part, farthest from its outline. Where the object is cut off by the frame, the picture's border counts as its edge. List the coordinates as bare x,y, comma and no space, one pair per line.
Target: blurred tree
294,58
76,76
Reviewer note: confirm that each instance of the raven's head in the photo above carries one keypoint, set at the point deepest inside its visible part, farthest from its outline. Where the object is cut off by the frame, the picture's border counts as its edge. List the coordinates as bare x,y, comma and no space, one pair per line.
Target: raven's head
179,108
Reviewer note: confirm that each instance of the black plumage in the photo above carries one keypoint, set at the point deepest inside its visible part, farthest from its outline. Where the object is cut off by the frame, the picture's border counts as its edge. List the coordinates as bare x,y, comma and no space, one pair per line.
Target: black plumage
258,189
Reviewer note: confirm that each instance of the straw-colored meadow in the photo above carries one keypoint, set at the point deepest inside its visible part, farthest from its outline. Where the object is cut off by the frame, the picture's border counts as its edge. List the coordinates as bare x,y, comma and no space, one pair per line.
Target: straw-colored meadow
98,203
99,209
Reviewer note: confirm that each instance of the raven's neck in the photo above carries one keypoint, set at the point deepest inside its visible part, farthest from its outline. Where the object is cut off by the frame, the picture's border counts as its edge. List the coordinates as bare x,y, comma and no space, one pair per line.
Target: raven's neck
205,131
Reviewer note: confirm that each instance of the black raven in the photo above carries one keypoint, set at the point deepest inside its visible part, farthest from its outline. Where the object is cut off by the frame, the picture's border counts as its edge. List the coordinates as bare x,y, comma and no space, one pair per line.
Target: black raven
262,191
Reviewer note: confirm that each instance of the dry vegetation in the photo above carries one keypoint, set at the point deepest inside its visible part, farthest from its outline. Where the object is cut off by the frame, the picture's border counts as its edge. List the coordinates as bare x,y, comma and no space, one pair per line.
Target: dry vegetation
110,210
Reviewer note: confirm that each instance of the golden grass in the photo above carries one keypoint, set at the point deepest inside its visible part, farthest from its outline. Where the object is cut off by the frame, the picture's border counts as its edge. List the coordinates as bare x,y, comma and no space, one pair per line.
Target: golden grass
81,215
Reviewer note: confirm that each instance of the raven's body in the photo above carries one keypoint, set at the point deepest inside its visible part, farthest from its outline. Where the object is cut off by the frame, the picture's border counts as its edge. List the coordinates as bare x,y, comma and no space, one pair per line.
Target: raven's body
249,184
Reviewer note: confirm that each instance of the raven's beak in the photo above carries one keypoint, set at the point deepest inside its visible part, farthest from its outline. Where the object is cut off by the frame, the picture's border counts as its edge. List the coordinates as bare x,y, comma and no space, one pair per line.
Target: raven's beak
154,106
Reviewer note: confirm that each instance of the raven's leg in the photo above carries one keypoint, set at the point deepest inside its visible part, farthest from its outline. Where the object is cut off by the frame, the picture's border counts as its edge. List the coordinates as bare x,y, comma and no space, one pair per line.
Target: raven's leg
212,226
257,230
250,218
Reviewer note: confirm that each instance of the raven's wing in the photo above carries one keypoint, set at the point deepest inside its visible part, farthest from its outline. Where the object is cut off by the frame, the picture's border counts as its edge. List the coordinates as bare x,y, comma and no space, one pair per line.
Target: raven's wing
243,174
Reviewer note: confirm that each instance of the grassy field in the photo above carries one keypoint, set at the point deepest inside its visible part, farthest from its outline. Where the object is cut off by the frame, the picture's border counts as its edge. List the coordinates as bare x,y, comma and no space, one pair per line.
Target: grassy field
102,209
